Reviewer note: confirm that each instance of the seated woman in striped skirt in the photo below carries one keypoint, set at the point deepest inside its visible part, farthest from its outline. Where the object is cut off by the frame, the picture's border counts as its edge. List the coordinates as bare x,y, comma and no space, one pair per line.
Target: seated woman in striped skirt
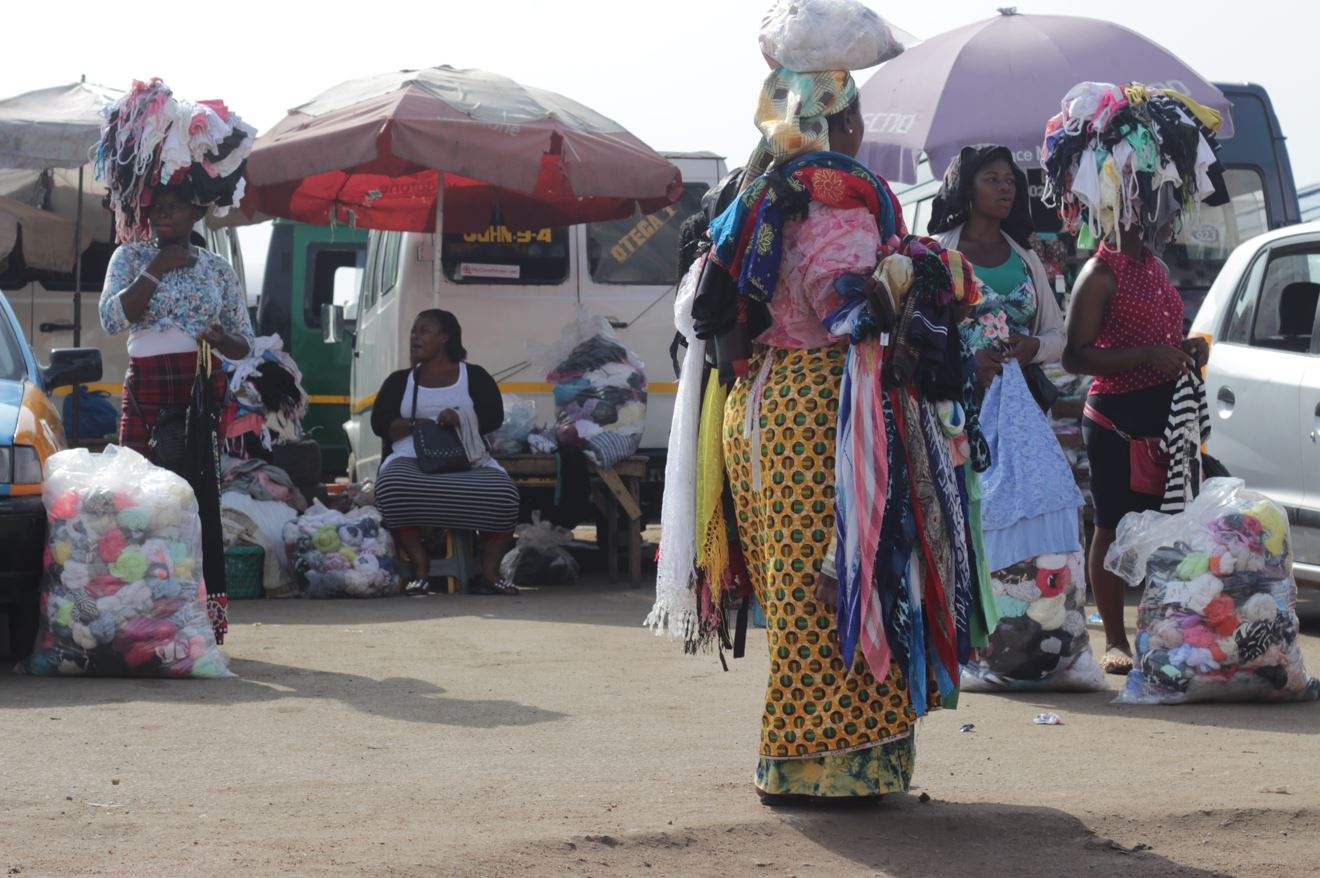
448,390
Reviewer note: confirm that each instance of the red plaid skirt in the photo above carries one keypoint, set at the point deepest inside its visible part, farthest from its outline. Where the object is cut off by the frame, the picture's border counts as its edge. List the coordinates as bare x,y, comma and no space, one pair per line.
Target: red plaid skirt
155,382
167,380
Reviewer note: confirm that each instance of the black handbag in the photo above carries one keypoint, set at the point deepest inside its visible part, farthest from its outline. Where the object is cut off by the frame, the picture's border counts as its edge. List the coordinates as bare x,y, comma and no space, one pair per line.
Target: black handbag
439,450
1043,390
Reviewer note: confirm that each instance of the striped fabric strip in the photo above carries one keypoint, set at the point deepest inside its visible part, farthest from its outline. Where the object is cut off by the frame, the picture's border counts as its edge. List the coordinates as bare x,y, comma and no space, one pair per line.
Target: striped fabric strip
1188,428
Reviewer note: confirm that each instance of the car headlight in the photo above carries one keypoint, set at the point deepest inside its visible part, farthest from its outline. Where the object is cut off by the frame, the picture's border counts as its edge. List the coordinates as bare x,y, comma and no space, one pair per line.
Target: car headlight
27,466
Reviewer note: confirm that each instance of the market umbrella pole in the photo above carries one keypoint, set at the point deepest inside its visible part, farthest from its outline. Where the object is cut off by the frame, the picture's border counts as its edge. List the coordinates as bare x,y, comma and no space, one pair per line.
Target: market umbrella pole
437,270
77,299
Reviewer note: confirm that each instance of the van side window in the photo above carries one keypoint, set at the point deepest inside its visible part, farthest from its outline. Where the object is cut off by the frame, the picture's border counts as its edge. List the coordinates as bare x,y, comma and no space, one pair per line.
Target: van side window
391,245
1277,307
641,249
371,276
325,264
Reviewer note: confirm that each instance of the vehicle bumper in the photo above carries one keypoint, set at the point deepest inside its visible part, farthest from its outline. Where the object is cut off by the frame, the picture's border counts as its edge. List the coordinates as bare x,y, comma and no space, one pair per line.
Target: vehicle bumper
22,544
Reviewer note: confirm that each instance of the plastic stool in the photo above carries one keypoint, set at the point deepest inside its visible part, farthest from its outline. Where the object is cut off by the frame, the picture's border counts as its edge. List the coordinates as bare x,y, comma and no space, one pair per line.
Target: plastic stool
458,564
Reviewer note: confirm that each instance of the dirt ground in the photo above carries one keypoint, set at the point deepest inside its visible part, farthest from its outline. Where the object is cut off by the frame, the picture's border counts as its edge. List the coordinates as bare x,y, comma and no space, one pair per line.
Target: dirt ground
549,734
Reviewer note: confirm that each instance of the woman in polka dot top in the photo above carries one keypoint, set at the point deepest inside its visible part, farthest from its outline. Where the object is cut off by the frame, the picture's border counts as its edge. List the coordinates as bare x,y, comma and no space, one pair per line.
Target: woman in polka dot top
1124,327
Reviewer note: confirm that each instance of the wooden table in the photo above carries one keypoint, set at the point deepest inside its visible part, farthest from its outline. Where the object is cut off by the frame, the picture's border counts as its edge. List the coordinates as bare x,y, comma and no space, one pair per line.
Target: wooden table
613,490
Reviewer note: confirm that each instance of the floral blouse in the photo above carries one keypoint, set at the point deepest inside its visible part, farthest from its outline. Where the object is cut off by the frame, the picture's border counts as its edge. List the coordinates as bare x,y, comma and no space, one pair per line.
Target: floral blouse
1000,315
190,299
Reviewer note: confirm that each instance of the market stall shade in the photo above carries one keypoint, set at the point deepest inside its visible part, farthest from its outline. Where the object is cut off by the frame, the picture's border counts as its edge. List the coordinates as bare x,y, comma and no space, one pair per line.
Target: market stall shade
46,240
995,80
52,127
366,153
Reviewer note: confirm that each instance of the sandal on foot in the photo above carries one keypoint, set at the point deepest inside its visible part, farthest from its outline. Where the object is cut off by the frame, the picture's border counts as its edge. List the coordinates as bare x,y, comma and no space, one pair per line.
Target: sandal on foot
417,588
1116,662
482,585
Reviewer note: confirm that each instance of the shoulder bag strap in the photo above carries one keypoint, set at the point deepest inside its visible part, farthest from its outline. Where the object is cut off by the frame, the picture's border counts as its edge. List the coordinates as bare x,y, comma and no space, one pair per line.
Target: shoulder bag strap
416,384
1102,421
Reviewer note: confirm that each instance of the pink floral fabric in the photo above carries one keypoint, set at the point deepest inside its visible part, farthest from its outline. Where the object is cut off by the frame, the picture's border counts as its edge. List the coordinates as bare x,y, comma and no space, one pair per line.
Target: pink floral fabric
831,241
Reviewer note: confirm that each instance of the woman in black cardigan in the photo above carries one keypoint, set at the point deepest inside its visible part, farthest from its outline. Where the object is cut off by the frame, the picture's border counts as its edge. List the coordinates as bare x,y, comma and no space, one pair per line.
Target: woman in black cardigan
441,386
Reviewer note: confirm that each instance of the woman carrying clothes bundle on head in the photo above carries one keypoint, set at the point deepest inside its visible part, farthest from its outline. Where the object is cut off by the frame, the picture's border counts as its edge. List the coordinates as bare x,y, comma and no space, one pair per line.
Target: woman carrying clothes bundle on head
823,457
443,387
1029,500
1124,164
179,303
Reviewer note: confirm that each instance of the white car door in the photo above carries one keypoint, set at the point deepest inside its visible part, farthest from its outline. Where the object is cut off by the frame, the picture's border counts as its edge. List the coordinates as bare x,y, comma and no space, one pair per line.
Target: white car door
1306,521
1257,363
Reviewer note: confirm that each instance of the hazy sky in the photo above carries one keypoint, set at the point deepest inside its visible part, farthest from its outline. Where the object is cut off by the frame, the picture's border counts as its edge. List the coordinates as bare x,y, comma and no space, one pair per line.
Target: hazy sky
680,74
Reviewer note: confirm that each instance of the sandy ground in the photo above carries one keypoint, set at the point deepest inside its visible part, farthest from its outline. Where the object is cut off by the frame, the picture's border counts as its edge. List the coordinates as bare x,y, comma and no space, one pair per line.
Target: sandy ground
550,735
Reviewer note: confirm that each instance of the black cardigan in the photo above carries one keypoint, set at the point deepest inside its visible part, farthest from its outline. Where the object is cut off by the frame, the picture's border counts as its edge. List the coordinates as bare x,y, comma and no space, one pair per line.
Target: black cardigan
485,393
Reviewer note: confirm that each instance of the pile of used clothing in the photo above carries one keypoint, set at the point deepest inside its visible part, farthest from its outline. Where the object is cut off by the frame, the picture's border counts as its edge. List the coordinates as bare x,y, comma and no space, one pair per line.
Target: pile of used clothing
122,593
519,422
1218,619
152,137
600,397
1040,641
337,554
267,400
257,500
1127,155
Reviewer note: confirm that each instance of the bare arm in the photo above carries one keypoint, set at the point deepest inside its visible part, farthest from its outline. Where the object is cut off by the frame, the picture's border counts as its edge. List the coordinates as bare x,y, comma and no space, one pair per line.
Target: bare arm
1091,294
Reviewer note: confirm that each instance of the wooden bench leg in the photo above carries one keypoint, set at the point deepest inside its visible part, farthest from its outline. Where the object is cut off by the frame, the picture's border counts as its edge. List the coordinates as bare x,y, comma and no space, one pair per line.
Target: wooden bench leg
635,537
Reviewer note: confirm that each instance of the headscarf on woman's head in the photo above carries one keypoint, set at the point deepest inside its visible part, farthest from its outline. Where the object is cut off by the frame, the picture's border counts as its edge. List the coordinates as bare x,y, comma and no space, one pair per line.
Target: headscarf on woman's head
791,115
953,204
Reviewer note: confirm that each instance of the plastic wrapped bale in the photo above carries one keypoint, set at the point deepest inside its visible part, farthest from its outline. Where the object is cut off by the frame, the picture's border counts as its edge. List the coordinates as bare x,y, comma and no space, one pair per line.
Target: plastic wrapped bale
1041,641
519,421
539,558
600,391
1217,620
122,593
816,35
337,554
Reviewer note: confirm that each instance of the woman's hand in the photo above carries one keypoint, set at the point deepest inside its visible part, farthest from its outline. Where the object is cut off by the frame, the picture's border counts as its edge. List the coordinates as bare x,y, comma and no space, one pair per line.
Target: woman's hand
1168,360
1198,349
989,366
399,428
171,258
826,592
1022,348
447,418
216,336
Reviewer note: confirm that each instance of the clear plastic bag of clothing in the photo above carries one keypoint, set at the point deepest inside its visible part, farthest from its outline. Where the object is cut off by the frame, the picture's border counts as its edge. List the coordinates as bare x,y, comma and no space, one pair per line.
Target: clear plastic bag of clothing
519,421
341,554
811,36
600,391
1218,618
1041,641
539,558
122,593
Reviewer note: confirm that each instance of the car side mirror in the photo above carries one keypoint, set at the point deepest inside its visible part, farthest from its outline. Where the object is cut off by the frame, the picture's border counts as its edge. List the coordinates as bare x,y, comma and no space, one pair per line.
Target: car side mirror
72,366
334,328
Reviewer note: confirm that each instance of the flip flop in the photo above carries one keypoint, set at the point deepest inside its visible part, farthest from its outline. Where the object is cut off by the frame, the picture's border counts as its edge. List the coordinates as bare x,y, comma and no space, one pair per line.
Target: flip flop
1116,662
417,588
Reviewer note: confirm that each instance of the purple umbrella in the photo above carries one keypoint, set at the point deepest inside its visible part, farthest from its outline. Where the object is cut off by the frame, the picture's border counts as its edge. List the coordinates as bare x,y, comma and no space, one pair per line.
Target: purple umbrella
998,81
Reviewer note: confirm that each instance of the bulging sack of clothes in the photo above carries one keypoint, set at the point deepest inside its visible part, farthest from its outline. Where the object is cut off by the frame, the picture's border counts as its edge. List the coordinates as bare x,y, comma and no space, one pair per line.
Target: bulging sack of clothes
1040,642
122,593
1217,620
341,554
540,557
519,421
600,391
810,36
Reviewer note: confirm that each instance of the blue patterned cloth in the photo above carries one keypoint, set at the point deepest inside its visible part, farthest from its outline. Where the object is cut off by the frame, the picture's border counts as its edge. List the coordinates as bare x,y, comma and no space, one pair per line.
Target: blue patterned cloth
1029,496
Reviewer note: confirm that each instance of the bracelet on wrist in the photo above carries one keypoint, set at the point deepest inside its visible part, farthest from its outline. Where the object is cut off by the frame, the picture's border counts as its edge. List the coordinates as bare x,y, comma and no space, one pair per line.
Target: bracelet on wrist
149,276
